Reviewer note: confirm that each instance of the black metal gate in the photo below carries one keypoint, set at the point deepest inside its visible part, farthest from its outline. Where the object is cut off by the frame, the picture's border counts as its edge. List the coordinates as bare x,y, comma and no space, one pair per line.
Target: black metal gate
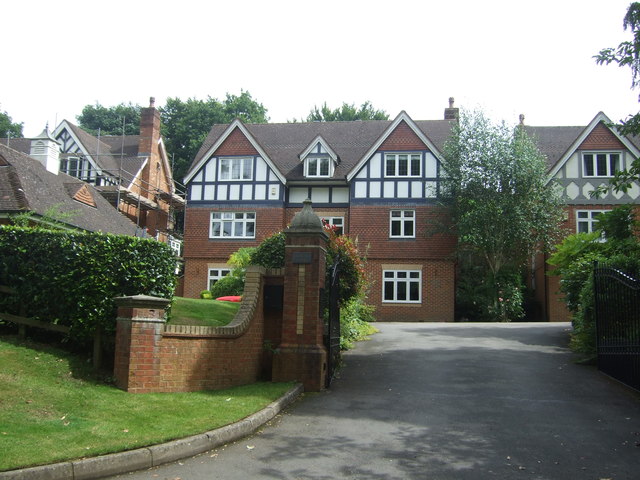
617,309
332,326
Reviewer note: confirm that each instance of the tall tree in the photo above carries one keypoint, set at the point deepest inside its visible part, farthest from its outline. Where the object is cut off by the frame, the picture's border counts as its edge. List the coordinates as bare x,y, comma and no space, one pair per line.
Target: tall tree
185,124
110,120
8,128
503,209
626,54
346,113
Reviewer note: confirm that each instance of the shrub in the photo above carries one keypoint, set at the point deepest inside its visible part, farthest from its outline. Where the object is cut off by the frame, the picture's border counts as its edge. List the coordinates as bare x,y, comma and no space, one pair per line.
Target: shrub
72,278
228,285
270,252
355,316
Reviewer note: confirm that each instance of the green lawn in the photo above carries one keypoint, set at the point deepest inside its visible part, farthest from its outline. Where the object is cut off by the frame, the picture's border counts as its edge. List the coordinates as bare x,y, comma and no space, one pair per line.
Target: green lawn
52,409
192,311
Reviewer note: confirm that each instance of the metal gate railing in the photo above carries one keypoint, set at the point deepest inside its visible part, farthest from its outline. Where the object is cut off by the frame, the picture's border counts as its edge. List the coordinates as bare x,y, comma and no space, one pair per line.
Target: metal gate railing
332,326
617,308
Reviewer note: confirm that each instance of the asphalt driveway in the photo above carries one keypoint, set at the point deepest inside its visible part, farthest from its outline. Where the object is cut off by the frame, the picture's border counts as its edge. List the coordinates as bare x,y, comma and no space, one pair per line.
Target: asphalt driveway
445,401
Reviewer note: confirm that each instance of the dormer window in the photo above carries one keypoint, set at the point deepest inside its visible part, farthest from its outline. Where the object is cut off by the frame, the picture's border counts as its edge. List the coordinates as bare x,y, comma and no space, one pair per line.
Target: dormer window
319,159
237,168
318,166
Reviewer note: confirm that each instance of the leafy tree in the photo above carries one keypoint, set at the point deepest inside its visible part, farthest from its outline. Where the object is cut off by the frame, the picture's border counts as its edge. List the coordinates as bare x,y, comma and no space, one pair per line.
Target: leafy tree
502,207
109,120
185,124
626,54
346,113
8,128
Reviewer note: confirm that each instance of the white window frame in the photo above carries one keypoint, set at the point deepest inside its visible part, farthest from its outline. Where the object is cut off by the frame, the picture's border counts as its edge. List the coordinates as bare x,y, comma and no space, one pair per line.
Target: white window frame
232,225
239,169
337,222
611,169
587,217
400,281
396,159
402,219
319,161
215,274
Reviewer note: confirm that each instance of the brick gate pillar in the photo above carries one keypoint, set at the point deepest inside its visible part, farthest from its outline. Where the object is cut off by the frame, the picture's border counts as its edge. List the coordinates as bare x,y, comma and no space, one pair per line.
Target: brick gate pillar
302,355
139,328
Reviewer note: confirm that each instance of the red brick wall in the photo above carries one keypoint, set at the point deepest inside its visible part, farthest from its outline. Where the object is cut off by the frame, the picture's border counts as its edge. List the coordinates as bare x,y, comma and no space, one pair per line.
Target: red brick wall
370,225
402,139
438,292
199,249
193,358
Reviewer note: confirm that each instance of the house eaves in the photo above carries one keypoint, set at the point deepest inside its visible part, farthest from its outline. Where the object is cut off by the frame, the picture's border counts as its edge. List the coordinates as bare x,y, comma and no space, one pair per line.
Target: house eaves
235,124
402,116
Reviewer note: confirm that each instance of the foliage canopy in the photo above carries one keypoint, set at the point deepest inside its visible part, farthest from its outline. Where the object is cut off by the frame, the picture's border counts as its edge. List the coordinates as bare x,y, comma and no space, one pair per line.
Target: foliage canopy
626,54
346,112
9,128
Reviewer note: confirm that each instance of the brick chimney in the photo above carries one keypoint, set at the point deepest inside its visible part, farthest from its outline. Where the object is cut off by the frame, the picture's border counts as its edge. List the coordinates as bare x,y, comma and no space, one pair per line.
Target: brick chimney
451,113
149,129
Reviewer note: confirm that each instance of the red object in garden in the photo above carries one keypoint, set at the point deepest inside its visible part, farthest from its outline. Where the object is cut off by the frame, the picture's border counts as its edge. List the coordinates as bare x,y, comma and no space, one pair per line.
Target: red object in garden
230,298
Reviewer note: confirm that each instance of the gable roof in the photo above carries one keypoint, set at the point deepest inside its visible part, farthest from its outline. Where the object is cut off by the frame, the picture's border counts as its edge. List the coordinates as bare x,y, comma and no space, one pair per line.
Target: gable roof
282,143
26,186
559,143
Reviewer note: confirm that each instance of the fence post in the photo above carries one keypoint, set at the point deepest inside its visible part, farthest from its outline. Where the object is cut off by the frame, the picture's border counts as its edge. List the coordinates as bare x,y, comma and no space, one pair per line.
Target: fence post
139,328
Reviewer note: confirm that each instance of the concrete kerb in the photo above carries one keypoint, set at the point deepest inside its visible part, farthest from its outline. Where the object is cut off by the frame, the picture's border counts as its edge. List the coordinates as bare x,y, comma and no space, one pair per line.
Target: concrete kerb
147,457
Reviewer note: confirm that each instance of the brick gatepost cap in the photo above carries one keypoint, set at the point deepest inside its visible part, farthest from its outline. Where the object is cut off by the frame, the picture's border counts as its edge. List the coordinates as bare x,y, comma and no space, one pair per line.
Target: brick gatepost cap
306,220
142,301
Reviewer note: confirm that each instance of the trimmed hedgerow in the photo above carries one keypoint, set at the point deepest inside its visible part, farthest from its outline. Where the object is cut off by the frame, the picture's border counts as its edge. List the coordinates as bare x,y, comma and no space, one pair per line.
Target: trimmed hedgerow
72,278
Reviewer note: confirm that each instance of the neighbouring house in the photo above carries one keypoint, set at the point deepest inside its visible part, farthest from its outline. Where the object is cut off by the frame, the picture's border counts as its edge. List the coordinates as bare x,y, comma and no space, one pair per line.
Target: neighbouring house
132,172
27,187
377,181
580,159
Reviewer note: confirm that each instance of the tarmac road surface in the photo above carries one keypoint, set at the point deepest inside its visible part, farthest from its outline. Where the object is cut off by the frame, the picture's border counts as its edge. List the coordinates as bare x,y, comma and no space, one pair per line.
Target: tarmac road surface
444,401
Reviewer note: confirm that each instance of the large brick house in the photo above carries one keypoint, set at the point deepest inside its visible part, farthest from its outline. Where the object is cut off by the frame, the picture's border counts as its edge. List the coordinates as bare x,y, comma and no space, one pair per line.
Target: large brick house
580,159
378,181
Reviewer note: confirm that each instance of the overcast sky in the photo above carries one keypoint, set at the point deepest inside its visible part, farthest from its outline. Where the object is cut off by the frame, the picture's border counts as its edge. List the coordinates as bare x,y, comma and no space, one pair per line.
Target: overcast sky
506,57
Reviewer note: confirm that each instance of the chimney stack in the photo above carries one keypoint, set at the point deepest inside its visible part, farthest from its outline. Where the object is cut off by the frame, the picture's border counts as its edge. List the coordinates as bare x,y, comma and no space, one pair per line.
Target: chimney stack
149,129
451,113
522,119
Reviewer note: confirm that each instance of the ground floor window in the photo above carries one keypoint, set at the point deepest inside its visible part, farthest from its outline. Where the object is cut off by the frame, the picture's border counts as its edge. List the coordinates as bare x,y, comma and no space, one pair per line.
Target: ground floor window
336,222
216,274
586,221
401,286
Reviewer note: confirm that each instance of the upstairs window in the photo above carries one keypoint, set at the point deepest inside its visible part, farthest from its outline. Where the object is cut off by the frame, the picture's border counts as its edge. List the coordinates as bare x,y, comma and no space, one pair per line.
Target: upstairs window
403,165
233,225
402,224
586,220
317,166
601,164
236,169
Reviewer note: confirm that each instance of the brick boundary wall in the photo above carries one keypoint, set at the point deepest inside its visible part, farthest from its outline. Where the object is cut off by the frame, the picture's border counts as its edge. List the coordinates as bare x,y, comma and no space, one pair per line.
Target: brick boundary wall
152,356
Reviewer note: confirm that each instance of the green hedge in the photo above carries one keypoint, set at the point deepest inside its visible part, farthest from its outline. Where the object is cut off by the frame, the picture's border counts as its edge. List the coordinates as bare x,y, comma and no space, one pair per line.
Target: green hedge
72,278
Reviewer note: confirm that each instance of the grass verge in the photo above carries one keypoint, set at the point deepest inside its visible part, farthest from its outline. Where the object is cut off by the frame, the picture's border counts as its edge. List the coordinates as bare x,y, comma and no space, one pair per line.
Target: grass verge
196,311
52,409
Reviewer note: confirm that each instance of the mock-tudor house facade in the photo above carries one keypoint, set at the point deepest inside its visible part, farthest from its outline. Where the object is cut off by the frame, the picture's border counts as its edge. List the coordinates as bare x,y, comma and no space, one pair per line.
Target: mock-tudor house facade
377,181
580,159
26,186
132,172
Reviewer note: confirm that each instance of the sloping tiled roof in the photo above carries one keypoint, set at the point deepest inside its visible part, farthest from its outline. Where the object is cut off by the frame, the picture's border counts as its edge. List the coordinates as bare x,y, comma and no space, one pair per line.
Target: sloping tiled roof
284,142
553,142
25,185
